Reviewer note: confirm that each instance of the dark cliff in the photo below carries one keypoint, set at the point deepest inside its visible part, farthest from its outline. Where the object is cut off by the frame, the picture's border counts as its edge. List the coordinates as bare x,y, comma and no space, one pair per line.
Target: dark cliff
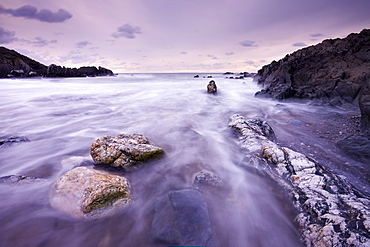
335,71
13,64
11,60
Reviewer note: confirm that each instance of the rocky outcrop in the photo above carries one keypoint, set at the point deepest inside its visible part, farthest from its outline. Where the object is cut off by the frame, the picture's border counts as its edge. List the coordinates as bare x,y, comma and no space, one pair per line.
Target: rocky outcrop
59,71
181,218
211,87
124,150
356,147
87,193
13,64
335,71
330,211
206,179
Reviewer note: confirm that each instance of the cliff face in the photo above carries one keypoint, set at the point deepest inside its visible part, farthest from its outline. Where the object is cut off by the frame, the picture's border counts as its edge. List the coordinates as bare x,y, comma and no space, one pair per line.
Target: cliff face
12,60
336,71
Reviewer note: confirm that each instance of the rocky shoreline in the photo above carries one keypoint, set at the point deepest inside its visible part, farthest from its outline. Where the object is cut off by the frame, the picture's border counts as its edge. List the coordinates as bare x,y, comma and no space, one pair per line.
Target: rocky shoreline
15,65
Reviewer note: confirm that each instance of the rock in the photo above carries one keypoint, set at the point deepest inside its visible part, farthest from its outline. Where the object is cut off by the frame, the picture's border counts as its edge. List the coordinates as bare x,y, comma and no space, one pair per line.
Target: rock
181,218
334,69
8,141
331,212
211,87
87,193
196,76
124,150
206,179
12,63
364,104
59,71
19,180
357,147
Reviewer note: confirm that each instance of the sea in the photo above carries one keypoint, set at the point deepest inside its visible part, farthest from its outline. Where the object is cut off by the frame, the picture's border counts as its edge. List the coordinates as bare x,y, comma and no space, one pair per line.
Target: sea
62,117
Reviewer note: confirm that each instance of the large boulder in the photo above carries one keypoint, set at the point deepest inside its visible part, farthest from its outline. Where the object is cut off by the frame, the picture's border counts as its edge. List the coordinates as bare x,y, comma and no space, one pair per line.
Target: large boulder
357,147
181,218
330,211
124,150
87,193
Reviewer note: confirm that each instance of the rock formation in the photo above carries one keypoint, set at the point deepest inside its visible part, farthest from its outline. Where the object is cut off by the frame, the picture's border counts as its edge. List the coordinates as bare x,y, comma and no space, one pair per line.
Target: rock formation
13,64
181,218
59,71
87,193
335,71
124,150
16,65
211,87
330,211
8,141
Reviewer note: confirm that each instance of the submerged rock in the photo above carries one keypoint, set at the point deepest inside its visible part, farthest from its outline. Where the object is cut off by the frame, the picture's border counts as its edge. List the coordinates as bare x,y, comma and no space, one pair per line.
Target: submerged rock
87,193
206,179
357,147
124,150
8,141
330,211
19,180
211,87
181,218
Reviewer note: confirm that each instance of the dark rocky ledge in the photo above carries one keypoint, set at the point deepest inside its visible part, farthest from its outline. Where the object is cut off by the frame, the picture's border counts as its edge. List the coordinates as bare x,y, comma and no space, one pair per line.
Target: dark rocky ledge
330,212
334,71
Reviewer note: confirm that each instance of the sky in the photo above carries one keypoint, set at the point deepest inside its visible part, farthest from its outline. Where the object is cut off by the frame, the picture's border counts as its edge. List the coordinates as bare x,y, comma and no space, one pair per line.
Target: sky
139,36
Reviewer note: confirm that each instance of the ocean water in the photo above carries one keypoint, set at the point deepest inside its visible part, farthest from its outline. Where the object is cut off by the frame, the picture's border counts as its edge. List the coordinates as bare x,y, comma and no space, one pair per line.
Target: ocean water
62,117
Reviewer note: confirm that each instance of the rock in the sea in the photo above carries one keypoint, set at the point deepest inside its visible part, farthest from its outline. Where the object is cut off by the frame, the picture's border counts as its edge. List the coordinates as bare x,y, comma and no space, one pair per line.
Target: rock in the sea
205,179
124,150
8,141
357,147
331,212
211,87
87,193
19,180
181,218
59,71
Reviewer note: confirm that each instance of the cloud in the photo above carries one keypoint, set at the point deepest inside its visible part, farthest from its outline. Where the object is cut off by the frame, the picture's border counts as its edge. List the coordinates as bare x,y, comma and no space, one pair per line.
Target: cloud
127,31
183,53
316,35
249,62
229,53
299,44
248,43
213,57
83,44
6,36
31,12
40,42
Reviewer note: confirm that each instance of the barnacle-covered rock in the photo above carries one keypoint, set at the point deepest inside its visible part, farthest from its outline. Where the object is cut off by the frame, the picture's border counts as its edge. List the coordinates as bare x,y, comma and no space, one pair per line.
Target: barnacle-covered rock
124,150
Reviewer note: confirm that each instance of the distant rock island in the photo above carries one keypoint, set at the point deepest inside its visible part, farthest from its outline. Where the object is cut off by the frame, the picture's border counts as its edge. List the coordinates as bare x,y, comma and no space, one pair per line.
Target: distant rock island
14,64
334,71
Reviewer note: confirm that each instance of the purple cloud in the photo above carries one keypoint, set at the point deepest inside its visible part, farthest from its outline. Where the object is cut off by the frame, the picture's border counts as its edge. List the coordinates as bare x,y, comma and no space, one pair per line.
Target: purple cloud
299,44
6,36
316,35
183,53
44,15
83,44
229,53
127,31
40,42
248,43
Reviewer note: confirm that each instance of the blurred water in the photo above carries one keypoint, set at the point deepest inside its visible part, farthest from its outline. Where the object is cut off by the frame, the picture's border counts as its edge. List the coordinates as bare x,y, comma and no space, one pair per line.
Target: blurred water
62,117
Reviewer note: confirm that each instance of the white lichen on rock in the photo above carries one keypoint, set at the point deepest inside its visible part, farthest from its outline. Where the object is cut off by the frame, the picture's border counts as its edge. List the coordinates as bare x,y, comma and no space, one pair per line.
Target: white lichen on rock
331,211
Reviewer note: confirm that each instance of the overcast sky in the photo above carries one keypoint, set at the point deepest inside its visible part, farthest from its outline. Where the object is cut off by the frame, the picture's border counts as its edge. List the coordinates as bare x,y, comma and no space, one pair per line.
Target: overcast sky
174,35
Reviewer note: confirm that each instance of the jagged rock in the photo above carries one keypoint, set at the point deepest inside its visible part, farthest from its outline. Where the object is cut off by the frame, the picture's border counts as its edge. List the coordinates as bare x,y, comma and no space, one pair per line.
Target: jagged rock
330,211
357,147
206,179
11,60
87,193
334,69
7,141
19,180
211,87
181,218
124,150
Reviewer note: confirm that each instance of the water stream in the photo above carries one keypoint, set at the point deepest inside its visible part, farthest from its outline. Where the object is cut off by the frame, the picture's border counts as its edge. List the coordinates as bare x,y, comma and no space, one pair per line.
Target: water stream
62,117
